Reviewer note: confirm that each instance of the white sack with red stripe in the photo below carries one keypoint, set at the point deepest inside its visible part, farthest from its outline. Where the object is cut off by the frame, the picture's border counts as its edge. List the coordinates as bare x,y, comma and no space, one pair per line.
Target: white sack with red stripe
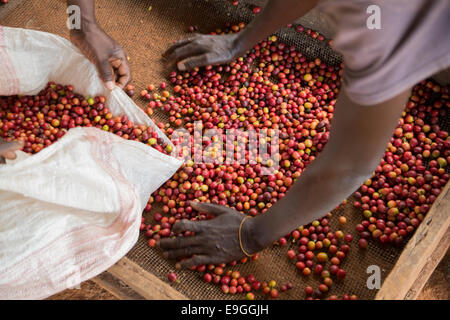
71,211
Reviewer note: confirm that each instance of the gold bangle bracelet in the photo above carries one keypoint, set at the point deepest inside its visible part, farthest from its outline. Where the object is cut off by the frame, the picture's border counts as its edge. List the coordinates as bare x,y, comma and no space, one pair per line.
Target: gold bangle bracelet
240,237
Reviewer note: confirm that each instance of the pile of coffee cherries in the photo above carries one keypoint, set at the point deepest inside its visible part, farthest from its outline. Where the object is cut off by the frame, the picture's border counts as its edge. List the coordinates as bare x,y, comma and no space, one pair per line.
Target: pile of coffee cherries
413,171
42,119
273,87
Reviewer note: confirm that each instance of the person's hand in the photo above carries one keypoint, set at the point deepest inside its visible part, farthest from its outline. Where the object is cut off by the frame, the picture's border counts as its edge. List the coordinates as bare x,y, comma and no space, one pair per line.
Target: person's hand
8,150
215,241
201,50
105,53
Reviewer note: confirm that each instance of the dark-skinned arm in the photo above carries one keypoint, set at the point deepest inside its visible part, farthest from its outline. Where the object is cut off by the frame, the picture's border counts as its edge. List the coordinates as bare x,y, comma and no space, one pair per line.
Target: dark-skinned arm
358,138
99,48
201,50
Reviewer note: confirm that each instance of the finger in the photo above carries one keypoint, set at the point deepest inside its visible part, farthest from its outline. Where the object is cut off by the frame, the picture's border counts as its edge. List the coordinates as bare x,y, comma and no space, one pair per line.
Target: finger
187,225
106,73
204,207
10,148
10,155
196,260
189,50
123,71
193,62
178,44
179,242
182,253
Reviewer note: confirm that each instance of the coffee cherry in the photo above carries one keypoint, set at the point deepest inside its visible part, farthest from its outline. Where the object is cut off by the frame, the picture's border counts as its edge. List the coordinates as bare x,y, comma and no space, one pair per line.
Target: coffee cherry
172,277
341,274
363,243
322,257
274,293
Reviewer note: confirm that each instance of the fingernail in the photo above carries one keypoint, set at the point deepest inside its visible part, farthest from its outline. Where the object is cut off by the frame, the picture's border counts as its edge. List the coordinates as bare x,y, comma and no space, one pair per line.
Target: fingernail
181,66
109,85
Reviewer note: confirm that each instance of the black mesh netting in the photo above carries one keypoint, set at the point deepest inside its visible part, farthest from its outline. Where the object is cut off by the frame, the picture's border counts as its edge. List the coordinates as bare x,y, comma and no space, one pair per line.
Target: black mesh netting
145,28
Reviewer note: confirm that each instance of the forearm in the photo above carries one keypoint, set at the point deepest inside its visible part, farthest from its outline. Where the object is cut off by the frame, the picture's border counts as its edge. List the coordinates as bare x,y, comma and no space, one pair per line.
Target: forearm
87,11
319,190
358,138
276,14
96,45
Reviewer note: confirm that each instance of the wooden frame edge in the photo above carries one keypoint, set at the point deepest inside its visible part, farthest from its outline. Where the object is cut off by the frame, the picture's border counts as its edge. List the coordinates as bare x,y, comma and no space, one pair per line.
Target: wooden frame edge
127,280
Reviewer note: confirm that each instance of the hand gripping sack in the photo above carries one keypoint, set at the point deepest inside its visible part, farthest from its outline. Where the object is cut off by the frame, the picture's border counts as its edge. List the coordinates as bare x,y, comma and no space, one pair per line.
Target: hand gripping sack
74,209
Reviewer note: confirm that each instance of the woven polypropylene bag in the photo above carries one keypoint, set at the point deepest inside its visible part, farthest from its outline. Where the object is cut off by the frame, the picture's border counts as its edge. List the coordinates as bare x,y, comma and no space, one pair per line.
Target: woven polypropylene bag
74,209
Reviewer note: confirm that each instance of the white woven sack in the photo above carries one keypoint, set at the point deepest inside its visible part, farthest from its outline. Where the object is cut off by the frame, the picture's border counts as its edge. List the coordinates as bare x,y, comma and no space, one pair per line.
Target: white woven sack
71,211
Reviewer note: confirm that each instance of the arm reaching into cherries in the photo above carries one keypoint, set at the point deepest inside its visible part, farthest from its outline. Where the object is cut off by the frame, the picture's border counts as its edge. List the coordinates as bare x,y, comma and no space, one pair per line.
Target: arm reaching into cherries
202,50
358,138
99,47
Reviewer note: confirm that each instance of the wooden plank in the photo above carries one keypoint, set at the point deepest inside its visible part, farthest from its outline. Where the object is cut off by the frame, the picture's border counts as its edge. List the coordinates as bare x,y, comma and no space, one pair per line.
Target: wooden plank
142,282
116,287
429,267
421,255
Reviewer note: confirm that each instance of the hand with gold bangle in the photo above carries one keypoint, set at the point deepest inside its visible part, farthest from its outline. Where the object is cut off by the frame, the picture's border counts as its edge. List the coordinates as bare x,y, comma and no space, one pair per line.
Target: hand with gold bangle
240,237
229,236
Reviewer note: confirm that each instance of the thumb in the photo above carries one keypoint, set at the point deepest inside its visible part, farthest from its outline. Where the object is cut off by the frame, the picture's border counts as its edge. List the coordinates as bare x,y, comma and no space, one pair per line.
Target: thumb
8,149
212,208
106,73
